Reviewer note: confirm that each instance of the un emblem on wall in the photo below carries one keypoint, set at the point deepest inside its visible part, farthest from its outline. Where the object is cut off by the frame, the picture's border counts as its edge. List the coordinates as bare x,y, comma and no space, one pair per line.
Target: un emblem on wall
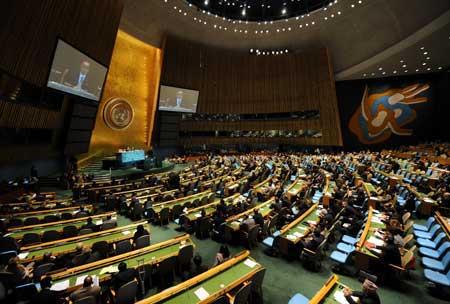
118,114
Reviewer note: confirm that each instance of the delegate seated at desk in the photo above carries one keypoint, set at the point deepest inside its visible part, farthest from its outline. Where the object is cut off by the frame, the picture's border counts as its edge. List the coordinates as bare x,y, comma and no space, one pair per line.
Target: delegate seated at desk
79,78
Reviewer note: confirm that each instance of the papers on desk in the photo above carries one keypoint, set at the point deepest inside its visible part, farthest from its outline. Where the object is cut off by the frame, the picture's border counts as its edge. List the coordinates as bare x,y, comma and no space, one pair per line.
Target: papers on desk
109,269
63,285
198,215
250,263
126,232
291,237
376,220
375,241
340,298
23,255
346,225
201,294
99,222
298,234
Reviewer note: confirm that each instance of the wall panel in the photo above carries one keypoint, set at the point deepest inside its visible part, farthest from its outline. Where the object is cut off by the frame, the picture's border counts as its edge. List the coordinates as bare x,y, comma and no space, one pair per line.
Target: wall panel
238,82
29,31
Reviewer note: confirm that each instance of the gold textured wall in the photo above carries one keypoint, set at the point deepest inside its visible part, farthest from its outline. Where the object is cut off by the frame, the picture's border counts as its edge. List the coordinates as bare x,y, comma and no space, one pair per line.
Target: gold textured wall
133,75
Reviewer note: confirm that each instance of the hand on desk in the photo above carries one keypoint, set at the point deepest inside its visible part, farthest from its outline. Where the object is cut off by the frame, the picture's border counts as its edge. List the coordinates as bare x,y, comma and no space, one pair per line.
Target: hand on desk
347,292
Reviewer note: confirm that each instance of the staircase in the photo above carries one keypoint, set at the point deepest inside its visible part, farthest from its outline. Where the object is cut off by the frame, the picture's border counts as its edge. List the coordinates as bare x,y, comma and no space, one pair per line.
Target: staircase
94,167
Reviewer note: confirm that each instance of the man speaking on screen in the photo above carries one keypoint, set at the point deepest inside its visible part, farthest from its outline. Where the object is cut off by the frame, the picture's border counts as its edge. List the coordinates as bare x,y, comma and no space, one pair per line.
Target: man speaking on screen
79,79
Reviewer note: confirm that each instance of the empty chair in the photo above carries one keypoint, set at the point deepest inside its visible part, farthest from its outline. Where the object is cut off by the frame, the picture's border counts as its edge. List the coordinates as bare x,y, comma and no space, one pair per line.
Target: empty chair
123,247
203,228
184,258
425,227
177,210
221,300
86,300
51,218
15,222
6,255
66,216
101,247
435,229
164,216
437,265
31,221
242,295
25,293
50,235
435,254
30,238
165,272
298,299
69,231
142,241
42,270
127,293
437,277
80,259
256,293
8,244
431,243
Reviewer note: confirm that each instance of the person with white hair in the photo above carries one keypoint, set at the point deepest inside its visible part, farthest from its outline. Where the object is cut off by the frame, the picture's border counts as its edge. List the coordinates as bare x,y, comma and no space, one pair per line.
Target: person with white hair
368,295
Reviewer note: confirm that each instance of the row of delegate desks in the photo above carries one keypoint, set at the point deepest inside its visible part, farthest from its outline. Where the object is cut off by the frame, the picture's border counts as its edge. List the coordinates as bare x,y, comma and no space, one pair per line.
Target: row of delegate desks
364,257
212,284
234,222
444,222
40,214
18,232
181,201
191,215
68,245
295,231
295,188
68,281
331,293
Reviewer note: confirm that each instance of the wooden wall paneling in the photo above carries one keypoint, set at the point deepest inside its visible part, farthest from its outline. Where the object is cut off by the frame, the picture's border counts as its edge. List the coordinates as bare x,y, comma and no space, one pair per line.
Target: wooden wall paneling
30,29
14,115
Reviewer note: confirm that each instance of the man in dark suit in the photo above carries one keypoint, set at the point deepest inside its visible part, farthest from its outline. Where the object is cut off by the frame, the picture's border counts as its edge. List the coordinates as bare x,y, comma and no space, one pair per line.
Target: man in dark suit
46,295
79,79
124,276
259,220
88,290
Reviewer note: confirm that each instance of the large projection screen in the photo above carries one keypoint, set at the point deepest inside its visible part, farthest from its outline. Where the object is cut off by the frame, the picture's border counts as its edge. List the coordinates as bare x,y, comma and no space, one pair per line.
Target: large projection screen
75,73
177,99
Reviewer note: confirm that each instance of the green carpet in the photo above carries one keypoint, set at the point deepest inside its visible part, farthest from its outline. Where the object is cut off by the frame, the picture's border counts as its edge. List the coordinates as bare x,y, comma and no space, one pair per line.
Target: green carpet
283,278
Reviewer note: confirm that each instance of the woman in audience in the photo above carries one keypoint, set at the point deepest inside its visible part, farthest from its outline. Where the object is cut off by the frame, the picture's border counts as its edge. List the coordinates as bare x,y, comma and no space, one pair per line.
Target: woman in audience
222,255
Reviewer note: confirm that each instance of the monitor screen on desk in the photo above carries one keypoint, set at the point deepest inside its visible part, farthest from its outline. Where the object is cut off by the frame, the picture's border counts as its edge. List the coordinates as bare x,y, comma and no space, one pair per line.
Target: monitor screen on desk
76,73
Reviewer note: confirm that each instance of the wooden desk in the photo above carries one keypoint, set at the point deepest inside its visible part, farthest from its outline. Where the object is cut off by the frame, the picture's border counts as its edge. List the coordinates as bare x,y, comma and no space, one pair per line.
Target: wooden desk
295,231
180,201
234,222
295,188
216,282
19,232
68,245
327,293
363,256
444,222
40,214
150,255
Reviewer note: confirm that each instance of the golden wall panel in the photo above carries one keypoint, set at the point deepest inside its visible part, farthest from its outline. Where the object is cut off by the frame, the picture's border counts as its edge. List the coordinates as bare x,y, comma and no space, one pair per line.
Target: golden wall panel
133,76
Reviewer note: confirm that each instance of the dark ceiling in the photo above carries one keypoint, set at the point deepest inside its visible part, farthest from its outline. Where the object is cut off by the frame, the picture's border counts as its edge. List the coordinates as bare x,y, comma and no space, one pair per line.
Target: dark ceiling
259,10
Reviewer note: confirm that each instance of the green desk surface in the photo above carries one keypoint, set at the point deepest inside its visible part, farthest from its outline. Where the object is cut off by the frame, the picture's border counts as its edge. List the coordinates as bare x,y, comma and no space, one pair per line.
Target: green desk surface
58,227
329,299
193,216
41,216
147,257
370,187
298,185
373,225
263,208
189,198
70,246
213,284
299,230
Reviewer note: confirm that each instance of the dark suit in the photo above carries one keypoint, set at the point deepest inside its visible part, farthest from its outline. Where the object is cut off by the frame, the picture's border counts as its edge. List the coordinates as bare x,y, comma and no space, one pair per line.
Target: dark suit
73,77
47,296
123,277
